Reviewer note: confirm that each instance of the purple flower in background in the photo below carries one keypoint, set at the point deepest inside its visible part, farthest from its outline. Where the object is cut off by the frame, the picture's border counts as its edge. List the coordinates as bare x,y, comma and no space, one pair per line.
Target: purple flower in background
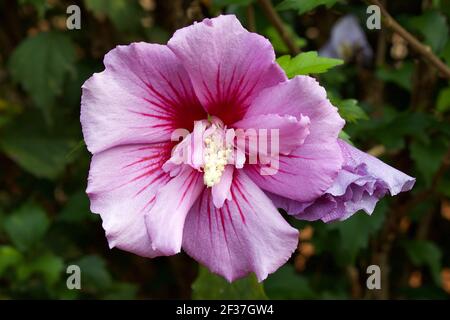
347,41
362,181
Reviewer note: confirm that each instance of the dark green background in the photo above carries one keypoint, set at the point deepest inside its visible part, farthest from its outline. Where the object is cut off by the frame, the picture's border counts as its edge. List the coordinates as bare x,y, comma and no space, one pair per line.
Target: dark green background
400,112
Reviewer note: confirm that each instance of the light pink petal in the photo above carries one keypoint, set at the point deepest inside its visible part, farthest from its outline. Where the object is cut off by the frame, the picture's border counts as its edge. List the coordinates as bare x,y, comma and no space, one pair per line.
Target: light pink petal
221,191
143,94
227,64
290,131
311,168
323,206
166,219
189,150
246,235
395,180
196,143
362,181
122,185
301,96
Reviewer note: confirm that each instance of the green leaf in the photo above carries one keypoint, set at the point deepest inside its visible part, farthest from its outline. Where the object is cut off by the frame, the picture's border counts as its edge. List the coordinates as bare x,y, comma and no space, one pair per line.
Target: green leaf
122,291
123,13
306,63
428,157
39,5
94,274
44,158
211,286
9,258
345,136
50,266
443,101
444,6
47,265
425,253
445,54
355,232
8,111
434,28
349,109
401,76
278,43
26,226
444,187
303,6
40,64
393,132
77,209
224,3
40,152
285,283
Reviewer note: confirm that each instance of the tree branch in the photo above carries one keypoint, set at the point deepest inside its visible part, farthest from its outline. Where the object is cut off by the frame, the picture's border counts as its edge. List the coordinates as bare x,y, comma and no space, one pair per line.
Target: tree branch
416,45
275,20
251,23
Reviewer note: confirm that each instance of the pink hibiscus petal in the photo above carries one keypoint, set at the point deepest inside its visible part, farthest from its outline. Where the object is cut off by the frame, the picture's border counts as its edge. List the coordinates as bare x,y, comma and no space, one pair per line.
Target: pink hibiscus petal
122,185
143,94
166,219
246,235
227,64
291,131
395,180
311,168
189,150
221,191
362,181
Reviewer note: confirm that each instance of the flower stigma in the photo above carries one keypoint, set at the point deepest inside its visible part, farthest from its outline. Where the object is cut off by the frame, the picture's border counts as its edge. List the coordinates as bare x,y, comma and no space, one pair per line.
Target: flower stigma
216,156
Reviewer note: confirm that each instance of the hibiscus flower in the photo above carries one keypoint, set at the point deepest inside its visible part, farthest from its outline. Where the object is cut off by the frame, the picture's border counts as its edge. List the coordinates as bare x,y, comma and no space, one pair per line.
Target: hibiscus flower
206,194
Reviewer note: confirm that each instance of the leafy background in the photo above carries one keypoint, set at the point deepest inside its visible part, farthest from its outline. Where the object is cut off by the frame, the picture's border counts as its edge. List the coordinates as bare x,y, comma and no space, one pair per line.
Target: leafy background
397,107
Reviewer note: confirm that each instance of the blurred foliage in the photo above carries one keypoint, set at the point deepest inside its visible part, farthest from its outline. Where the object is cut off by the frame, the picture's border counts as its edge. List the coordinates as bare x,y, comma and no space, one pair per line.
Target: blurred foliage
397,107
304,6
43,76
211,286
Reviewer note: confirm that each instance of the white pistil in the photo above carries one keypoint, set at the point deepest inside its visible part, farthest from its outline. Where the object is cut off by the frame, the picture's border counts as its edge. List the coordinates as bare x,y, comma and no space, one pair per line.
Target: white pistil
215,159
